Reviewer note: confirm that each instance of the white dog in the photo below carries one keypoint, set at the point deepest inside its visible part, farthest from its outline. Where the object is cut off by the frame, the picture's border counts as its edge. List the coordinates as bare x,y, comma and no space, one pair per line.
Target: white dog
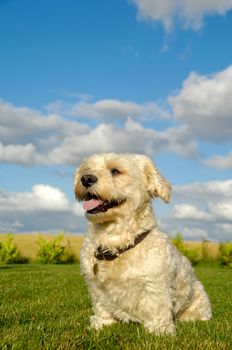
132,271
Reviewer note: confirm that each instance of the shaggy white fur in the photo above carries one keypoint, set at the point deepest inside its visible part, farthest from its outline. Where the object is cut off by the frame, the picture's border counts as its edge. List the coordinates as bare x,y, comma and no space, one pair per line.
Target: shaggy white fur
150,283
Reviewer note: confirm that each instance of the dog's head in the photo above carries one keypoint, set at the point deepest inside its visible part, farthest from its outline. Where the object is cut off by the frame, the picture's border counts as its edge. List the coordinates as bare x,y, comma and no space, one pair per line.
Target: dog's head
114,185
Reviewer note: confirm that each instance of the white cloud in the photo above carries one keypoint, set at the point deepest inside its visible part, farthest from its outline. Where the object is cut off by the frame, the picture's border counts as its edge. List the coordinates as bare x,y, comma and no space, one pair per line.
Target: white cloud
204,105
29,137
189,212
205,190
222,210
202,109
49,198
18,154
110,109
22,125
220,161
203,208
44,208
41,198
189,13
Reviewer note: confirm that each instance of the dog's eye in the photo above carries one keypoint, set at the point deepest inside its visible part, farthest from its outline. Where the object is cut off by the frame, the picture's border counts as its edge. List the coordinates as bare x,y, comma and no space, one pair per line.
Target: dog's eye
115,171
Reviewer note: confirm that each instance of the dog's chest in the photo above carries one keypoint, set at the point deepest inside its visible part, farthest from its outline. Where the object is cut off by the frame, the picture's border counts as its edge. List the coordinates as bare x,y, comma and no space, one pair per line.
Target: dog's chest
108,272
128,268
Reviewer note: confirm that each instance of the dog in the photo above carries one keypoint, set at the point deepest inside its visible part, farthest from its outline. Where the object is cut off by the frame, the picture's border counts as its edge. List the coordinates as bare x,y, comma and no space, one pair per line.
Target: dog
132,271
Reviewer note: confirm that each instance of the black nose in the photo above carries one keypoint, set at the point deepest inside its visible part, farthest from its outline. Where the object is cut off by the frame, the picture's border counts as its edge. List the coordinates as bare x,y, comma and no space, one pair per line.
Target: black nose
88,180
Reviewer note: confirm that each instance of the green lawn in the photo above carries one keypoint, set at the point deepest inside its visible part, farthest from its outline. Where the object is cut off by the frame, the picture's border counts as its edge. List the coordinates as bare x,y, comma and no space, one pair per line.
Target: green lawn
47,307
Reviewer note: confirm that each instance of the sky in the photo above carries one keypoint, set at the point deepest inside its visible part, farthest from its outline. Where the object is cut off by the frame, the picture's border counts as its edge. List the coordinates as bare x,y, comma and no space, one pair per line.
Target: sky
79,77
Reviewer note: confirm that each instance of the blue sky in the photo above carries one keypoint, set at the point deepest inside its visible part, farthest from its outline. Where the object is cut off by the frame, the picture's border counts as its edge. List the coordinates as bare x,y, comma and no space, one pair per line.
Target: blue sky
80,77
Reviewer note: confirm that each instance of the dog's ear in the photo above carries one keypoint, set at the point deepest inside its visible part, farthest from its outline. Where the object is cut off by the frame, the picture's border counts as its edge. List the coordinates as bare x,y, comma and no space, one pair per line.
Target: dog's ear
157,185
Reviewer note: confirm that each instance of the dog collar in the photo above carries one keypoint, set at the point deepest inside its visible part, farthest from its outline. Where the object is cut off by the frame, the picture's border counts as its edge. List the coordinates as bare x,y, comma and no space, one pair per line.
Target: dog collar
108,254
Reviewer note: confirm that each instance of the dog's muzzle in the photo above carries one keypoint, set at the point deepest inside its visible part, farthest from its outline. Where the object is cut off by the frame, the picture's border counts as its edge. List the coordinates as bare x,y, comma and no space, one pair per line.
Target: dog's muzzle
94,204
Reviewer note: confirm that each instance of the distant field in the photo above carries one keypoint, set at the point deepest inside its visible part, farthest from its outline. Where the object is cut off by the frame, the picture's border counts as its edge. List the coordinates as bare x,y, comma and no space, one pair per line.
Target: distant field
211,247
48,307
28,247
27,244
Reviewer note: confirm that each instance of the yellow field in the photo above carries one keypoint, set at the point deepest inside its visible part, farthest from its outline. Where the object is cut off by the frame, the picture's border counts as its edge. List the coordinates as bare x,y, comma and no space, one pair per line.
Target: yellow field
26,244
211,248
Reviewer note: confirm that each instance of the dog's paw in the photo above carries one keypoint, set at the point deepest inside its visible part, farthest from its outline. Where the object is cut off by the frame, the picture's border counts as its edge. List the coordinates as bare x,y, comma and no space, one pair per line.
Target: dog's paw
159,329
97,322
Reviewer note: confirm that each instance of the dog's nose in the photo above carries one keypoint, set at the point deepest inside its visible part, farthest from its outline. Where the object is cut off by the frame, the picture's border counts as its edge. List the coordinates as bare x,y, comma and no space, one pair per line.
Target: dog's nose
88,180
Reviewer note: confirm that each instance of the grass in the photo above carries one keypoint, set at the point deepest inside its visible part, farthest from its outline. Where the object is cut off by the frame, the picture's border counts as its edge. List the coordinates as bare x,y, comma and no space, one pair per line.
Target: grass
48,307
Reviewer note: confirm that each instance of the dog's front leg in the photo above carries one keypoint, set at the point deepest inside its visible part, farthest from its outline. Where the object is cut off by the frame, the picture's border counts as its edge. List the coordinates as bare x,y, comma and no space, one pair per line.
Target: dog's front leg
155,312
102,317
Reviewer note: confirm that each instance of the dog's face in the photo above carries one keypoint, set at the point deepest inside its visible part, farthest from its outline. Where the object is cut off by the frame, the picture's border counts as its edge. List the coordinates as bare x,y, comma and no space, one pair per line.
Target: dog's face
113,186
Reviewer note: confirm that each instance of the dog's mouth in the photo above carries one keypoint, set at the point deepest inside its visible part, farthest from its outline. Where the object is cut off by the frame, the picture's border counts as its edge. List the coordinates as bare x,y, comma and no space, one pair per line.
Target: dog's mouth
94,205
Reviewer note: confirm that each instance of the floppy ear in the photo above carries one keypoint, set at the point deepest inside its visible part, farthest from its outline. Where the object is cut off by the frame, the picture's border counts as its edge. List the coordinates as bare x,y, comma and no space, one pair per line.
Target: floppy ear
157,185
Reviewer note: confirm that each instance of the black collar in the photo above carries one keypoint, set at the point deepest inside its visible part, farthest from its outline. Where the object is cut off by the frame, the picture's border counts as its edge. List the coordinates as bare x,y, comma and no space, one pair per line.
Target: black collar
108,254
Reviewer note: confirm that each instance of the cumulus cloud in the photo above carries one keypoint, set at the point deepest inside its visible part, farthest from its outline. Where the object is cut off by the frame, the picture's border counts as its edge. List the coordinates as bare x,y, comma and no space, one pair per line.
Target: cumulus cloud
204,105
110,109
29,137
201,111
42,197
205,190
189,212
22,125
221,210
132,137
189,13
18,154
43,208
222,162
201,208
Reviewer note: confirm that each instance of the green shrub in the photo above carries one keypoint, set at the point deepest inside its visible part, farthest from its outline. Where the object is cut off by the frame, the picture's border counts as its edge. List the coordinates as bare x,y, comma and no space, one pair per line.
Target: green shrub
178,242
225,257
9,253
53,252
207,256
194,255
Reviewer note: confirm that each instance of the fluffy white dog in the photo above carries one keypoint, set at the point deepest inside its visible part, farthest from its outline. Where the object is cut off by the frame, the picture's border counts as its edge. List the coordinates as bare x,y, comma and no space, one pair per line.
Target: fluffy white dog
132,271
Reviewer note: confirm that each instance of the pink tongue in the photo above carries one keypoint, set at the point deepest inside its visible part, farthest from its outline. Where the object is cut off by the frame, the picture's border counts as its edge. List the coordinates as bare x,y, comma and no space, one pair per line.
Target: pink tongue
91,204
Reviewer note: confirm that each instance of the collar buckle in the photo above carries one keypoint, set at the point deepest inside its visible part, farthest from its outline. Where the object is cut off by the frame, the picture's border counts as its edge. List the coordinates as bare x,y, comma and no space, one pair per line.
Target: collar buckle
109,255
